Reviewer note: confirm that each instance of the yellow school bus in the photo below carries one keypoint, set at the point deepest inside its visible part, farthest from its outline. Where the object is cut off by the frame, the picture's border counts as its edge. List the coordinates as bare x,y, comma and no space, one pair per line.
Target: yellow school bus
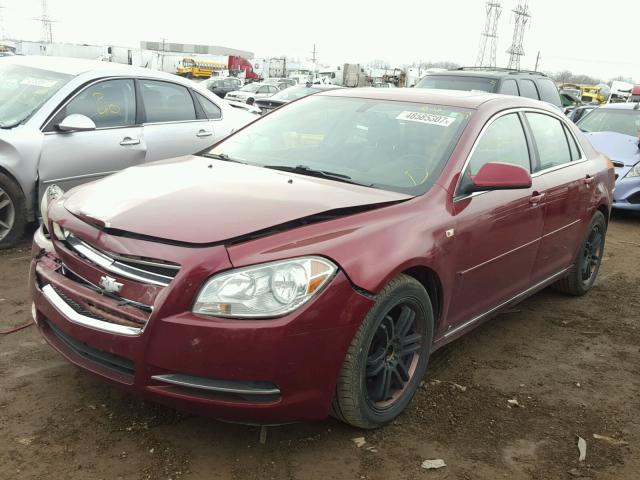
198,68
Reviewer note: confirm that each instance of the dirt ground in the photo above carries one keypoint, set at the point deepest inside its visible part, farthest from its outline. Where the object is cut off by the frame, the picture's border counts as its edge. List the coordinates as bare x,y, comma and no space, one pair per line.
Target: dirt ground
573,364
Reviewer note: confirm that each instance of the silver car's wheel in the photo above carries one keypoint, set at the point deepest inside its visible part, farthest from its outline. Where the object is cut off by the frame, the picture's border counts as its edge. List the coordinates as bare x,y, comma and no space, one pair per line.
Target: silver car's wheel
7,214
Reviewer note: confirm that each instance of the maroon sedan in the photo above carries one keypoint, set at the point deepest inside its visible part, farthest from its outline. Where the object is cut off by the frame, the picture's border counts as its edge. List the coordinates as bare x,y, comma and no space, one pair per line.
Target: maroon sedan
310,263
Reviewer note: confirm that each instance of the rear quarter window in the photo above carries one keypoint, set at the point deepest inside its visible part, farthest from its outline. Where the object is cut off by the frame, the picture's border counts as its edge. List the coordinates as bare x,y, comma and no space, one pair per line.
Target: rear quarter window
528,89
549,92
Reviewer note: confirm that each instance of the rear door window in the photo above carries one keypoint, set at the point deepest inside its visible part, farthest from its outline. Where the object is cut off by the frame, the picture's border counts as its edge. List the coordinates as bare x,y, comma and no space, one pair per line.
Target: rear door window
528,89
549,92
551,140
166,102
509,87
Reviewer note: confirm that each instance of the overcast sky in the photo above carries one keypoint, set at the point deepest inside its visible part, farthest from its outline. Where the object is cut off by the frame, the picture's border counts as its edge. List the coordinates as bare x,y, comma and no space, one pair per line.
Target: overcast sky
569,35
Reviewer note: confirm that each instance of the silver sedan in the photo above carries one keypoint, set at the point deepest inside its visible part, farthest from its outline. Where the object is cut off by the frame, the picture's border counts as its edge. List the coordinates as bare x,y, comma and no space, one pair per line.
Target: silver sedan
68,121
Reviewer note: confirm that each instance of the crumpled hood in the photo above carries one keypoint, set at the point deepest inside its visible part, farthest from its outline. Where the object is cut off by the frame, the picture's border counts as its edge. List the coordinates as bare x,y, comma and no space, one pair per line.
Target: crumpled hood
616,146
198,200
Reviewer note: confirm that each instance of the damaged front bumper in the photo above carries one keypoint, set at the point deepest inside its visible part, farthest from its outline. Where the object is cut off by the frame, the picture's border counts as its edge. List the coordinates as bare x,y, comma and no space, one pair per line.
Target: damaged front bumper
147,340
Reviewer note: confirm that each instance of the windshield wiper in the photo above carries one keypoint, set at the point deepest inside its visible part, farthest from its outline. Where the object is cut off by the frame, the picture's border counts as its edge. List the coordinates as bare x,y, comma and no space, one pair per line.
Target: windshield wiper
224,157
305,170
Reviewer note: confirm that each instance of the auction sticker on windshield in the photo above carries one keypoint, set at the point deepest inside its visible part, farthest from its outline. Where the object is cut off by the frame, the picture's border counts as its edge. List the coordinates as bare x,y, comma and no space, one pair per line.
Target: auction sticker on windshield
430,118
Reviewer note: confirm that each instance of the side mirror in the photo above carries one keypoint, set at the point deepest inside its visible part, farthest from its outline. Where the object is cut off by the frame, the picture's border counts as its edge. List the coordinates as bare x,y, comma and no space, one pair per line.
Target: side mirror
76,123
500,176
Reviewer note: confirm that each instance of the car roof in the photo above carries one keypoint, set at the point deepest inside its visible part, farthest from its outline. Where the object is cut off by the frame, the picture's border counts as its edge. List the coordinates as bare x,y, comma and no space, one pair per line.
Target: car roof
453,98
497,73
78,66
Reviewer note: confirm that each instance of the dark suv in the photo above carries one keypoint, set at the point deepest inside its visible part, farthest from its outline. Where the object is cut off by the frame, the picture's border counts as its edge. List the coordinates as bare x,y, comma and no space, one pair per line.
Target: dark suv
521,83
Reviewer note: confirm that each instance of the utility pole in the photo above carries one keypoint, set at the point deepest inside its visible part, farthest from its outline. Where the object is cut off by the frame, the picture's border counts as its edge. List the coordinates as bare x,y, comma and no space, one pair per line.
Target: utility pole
162,54
489,36
314,53
537,61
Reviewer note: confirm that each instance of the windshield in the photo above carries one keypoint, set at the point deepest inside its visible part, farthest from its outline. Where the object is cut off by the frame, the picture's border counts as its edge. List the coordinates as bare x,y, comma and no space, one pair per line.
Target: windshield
23,90
397,146
626,122
250,87
458,82
294,93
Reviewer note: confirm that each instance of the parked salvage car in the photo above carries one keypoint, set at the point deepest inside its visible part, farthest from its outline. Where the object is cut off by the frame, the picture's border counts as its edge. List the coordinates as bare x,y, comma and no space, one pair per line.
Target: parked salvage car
68,121
251,91
281,83
576,114
522,83
315,259
614,129
222,85
288,95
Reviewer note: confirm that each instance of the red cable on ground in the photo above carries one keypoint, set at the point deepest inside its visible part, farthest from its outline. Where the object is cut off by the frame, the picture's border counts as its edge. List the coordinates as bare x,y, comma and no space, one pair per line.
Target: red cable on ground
15,329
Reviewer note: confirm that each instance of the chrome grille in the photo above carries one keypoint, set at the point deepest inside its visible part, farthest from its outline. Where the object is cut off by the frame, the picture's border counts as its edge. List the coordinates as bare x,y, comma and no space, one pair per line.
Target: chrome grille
140,269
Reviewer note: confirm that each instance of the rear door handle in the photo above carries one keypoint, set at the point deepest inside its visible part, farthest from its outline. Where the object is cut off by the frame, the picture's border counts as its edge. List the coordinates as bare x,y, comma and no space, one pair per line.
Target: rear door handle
129,141
588,180
536,198
203,132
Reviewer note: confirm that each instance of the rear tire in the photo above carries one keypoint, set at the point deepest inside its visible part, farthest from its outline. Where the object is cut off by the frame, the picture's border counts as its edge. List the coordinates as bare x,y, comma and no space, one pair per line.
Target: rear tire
12,212
584,270
387,358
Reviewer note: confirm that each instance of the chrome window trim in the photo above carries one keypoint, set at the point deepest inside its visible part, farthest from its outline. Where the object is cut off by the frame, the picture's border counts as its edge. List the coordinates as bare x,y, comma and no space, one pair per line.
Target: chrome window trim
533,174
70,314
93,82
46,124
112,265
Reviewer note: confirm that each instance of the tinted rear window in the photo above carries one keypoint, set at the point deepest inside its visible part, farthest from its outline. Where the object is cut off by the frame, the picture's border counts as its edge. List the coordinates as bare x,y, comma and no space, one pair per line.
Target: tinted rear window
458,82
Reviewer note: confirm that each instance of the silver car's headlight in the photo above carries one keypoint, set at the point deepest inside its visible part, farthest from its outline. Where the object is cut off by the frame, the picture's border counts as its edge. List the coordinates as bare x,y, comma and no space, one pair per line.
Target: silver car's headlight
53,192
265,290
634,172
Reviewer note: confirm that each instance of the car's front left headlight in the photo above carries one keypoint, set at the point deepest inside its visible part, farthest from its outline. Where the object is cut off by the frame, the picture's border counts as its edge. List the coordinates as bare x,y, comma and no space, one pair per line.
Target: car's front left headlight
53,192
634,172
265,290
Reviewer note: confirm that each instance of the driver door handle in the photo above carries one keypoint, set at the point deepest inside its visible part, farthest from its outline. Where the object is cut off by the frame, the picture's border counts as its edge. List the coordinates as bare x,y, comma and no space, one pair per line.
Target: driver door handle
536,198
204,132
129,141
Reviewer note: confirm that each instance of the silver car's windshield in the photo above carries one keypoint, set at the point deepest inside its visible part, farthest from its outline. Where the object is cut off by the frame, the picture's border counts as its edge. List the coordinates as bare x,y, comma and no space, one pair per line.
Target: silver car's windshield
23,90
391,145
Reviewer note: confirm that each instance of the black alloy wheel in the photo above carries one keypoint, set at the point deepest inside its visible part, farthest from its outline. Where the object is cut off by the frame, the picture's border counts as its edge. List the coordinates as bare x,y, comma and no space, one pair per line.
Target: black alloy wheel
387,357
393,355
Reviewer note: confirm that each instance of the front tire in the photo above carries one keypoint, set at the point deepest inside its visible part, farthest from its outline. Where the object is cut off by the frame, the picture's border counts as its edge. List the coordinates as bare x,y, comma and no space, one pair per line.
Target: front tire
387,357
585,269
12,212
250,101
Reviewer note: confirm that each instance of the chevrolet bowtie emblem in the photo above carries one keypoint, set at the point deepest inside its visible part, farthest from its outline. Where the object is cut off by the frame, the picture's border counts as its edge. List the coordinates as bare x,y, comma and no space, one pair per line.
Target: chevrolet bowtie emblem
110,285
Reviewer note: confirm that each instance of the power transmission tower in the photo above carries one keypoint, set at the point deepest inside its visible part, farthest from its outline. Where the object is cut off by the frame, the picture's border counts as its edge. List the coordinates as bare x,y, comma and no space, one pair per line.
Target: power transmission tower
47,33
487,53
522,17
